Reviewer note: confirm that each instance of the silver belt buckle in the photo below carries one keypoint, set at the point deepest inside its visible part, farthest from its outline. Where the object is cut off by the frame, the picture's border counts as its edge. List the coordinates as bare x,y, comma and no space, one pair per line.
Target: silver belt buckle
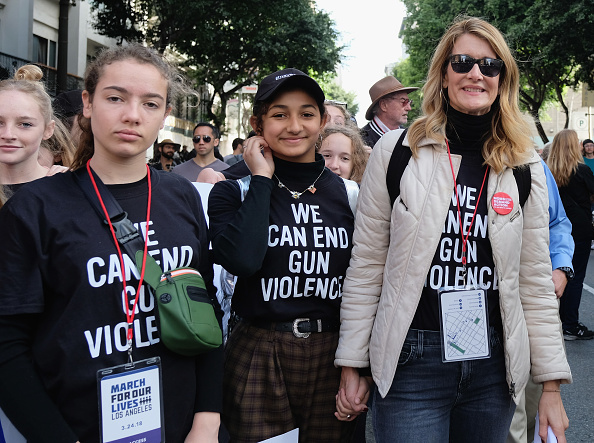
296,332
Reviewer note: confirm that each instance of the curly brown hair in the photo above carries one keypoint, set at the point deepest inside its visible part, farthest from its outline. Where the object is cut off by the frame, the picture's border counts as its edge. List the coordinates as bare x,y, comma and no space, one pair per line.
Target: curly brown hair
359,156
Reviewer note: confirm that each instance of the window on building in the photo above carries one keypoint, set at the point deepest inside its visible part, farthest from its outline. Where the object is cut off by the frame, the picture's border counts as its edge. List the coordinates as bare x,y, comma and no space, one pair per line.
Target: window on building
44,51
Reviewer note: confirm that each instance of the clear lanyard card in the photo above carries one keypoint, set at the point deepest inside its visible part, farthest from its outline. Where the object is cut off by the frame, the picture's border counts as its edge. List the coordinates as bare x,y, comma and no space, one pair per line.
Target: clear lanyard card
464,324
130,402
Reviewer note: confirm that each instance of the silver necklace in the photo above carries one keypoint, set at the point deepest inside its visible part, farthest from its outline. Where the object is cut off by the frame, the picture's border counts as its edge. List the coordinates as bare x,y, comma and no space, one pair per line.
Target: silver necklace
311,188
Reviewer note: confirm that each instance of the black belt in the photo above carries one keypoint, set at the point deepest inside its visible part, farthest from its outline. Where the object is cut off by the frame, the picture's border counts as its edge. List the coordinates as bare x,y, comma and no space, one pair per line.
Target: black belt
300,327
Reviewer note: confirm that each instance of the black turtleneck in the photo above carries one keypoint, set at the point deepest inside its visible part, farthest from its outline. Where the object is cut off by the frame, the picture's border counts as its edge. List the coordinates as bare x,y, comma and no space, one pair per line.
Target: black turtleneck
466,135
290,255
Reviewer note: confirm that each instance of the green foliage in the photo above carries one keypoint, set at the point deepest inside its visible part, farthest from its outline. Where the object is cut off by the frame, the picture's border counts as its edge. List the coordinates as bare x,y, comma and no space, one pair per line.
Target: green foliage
227,44
408,76
552,42
334,91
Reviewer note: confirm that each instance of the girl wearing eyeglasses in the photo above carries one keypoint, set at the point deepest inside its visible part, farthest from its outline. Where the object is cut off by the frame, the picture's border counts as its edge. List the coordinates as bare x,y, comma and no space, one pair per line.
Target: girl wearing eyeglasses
449,297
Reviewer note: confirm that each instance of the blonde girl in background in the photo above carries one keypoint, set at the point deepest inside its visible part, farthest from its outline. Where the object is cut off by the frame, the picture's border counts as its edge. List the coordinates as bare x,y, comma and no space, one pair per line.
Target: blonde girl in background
344,152
27,124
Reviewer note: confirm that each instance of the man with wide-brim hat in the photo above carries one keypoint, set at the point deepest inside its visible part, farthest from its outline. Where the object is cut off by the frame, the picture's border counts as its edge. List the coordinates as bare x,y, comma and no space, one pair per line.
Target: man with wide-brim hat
167,149
388,110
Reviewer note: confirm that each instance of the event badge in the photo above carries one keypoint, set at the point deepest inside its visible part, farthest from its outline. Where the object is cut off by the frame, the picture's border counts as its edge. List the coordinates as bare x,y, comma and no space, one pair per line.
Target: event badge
502,203
131,402
464,324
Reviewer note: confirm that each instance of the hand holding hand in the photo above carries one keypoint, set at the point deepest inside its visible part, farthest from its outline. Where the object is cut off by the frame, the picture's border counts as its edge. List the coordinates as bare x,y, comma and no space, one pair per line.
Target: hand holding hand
352,396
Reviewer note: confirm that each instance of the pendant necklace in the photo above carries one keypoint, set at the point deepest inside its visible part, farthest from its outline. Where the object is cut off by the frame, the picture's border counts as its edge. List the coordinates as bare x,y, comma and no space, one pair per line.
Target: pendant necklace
311,188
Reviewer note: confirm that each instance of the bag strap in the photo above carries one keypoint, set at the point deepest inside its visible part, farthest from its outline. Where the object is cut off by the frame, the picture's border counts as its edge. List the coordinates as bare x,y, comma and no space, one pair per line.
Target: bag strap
125,231
401,156
398,163
523,182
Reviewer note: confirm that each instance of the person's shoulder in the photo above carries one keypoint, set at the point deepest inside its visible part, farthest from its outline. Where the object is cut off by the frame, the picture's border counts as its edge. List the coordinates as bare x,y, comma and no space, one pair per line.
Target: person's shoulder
45,191
225,190
50,184
218,165
185,165
168,179
584,170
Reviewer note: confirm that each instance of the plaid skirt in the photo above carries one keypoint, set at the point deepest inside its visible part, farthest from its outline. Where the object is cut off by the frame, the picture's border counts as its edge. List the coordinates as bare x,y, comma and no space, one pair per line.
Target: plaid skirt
275,382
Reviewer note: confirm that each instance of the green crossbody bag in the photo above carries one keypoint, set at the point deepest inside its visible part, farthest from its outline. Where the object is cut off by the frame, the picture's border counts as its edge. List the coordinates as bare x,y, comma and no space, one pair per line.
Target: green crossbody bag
187,320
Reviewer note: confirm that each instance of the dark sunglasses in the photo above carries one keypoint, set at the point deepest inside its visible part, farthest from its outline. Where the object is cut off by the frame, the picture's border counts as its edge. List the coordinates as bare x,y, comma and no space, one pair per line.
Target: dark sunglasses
489,67
206,138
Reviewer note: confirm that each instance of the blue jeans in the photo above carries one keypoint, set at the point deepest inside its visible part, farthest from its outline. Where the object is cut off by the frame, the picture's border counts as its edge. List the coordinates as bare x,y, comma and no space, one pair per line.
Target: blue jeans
434,402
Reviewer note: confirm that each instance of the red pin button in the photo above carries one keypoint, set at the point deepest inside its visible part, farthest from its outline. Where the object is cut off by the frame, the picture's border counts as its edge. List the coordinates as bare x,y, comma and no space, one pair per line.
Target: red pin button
502,203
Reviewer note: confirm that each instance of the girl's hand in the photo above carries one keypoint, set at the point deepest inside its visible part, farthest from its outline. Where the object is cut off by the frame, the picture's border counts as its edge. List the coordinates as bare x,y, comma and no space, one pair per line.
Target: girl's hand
352,396
258,156
205,428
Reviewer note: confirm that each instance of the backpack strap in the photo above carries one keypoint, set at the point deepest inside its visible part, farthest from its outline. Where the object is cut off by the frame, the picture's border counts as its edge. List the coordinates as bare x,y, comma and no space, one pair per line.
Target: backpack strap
524,182
401,156
398,163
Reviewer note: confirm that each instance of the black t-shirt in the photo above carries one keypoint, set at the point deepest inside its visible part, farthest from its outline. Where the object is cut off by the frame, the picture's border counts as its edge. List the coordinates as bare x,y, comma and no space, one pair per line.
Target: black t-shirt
290,255
60,265
446,267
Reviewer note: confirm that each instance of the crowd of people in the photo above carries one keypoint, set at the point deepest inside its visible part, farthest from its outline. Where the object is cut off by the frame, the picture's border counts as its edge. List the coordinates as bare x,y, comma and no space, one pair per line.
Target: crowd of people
427,274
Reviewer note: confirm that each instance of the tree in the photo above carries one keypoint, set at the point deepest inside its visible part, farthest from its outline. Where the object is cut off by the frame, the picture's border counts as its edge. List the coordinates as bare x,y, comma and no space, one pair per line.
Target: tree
409,76
334,91
156,22
550,43
242,42
227,44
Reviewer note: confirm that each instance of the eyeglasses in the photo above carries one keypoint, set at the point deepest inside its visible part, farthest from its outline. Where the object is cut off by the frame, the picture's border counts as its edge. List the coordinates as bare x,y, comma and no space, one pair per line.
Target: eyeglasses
206,138
489,67
402,100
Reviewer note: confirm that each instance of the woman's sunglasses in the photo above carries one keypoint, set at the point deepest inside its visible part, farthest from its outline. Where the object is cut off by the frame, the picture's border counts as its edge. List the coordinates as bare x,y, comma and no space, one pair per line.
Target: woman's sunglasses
206,138
489,67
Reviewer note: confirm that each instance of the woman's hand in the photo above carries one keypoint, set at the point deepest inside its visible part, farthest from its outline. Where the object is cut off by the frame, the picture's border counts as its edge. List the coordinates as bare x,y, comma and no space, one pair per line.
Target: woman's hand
352,396
551,412
205,428
258,156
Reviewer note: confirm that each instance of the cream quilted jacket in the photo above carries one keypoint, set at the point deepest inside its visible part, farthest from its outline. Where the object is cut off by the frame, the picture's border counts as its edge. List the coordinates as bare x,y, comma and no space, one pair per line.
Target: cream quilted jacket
392,253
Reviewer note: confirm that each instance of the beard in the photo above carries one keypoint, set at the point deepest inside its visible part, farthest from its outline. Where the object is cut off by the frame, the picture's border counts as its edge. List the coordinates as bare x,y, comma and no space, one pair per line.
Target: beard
168,155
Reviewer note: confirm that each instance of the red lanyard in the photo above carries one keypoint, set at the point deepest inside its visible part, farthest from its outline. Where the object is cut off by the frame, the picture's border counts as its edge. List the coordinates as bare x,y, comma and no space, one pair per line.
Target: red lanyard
129,315
464,239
